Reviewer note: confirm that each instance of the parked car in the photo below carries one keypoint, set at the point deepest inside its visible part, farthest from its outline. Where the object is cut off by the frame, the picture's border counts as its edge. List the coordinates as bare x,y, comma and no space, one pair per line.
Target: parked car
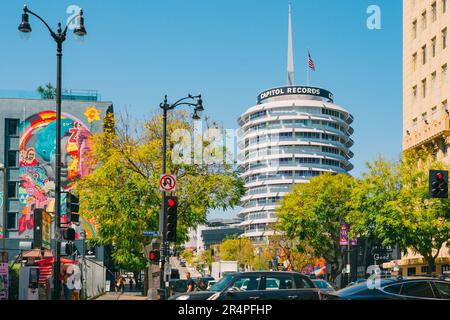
323,285
400,288
262,285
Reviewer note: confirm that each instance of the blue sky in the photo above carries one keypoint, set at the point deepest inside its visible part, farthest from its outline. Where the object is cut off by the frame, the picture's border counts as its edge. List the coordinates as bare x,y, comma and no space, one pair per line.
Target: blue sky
138,50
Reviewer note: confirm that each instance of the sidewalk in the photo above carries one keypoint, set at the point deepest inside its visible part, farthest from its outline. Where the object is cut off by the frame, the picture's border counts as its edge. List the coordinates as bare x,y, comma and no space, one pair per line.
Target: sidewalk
120,296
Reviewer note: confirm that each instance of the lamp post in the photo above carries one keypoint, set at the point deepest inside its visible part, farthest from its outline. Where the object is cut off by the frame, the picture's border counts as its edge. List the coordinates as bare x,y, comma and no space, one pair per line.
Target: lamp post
59,37
3,169
164,249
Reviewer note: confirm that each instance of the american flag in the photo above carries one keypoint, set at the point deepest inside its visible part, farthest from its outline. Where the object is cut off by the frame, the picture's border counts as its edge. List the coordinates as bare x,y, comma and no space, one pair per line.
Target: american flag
311,63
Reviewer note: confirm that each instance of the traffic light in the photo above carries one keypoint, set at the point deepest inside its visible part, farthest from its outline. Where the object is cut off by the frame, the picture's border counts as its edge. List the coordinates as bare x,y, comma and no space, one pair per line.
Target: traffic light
69,234
73,207
154,256
438,184
172,217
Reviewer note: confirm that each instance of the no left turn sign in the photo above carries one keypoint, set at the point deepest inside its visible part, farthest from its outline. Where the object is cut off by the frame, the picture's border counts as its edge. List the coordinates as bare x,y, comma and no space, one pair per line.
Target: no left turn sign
167,182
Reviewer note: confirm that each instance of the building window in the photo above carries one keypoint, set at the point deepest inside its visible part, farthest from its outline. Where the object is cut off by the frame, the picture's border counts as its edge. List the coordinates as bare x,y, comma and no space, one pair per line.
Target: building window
433,12
414,29
424,20
433,47
12,127
424,88
11,222
445,107
433,81
444,6
12,159
425,118
411,271
424,269
415,124
12,190
424,54
434,114
444,39
414,61
414,93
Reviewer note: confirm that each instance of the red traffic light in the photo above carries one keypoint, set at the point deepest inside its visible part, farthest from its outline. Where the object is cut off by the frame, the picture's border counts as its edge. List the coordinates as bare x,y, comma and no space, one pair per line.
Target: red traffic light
440,176
154,256
171,202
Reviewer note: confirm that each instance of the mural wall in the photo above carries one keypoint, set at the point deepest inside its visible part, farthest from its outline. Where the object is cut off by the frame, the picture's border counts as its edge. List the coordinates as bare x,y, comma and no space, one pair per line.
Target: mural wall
37,163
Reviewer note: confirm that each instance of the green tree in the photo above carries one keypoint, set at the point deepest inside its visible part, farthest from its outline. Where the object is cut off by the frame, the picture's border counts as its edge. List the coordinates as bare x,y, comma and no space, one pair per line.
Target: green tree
47,91
188,256
122,194
237,249
313,212
368,203
392,205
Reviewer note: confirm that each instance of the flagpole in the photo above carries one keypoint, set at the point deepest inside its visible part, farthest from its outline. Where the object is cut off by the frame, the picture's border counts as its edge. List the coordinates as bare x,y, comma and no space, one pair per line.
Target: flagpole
308,75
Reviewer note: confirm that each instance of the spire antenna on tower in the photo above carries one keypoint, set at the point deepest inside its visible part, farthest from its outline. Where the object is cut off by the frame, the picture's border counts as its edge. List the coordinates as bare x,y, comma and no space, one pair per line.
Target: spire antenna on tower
290,66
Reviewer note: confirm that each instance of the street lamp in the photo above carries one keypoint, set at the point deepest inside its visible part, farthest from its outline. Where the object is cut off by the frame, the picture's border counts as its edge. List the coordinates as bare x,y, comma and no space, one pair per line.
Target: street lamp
59,36
3,170
198,108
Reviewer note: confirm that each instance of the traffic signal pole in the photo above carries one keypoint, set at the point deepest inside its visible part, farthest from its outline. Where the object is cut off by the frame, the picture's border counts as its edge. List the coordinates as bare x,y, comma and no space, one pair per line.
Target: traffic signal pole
164,248
162,216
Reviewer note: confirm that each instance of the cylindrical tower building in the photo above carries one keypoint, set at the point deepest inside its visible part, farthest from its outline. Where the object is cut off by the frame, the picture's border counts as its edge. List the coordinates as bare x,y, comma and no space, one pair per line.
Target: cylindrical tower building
292,134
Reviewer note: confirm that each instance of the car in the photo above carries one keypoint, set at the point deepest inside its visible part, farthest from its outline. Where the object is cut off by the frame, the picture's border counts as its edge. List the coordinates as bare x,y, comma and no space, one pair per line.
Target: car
261,285
323,285
211,283
400,288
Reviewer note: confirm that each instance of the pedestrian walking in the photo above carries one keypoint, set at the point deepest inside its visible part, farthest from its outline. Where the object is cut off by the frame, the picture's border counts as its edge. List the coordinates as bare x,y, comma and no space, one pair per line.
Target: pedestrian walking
66,280
131,284
122,284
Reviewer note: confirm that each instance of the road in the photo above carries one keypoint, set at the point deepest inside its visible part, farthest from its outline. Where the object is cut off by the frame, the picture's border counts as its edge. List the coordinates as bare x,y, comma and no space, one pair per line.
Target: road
176,265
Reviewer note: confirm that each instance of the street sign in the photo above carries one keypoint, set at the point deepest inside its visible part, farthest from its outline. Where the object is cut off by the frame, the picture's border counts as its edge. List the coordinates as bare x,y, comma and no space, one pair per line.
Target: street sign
344,231
147,233
167,182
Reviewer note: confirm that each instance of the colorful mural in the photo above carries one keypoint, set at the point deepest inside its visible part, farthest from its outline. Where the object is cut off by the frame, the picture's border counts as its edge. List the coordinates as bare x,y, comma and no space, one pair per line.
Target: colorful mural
37,162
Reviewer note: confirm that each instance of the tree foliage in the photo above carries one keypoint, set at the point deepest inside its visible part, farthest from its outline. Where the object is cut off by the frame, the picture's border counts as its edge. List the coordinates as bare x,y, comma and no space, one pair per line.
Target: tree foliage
122,193
237,249
392,204
313,212
47,91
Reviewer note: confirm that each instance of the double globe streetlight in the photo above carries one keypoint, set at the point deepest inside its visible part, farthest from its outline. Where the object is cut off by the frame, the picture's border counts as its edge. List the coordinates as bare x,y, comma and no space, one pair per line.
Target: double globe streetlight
197,103
59,36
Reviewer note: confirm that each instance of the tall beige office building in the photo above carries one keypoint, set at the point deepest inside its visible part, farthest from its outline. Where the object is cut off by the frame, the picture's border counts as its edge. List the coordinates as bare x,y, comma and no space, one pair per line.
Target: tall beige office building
426,94
426,84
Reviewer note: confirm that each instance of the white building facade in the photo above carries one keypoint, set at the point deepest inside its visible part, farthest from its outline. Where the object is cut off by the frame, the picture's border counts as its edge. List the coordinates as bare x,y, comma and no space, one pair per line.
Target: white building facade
292,134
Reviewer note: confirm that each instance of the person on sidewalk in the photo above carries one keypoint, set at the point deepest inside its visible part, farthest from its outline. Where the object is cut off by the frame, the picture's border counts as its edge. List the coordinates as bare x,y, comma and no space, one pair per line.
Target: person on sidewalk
131,284
122,284
66,277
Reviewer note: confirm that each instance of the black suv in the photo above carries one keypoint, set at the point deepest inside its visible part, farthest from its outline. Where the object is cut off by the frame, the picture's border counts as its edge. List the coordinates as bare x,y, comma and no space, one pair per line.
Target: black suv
400,288
258,286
